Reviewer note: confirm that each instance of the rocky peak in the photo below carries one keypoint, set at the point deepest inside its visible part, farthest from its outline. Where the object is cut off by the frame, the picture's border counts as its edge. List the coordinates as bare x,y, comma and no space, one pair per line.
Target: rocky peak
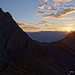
5,16
12,38
1,15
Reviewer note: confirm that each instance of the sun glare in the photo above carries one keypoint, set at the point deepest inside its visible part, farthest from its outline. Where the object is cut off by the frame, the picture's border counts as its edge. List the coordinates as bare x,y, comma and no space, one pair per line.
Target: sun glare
69,30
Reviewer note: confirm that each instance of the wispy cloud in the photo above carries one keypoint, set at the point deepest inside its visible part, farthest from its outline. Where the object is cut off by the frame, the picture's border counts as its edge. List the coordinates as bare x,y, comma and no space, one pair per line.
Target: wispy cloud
40,12
59,14
45,0
59,1
66,18
70,23
46,23
22,24
50,8
28,27
68,5
42,6
59,9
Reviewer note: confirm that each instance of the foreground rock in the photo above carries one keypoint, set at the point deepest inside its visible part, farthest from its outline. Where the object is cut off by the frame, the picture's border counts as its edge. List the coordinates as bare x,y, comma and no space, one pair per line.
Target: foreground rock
20,55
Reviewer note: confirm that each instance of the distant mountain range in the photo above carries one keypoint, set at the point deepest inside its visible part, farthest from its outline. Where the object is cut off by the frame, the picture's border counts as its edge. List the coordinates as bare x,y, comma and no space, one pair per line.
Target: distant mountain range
21,55
47,36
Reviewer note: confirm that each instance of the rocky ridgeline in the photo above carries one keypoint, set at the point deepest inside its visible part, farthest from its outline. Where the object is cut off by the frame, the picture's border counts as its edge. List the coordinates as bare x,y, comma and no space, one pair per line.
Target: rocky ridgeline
20,55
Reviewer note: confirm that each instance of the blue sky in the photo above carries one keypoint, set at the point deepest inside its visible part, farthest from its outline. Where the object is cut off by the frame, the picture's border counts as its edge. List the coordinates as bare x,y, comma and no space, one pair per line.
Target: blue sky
28,14
21,10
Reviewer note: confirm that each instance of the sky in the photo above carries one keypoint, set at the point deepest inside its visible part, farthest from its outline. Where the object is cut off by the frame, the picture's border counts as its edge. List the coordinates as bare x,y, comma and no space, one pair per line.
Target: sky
42,15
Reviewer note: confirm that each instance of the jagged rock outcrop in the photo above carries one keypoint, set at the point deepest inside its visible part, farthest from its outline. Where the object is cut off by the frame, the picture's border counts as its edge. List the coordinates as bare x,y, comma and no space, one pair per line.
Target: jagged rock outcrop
20,55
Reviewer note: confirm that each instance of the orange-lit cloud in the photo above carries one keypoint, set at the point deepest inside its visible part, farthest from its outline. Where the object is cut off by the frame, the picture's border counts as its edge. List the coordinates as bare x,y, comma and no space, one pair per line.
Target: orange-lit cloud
59,14
40,12
66,18
47,26
59,9
31,29
45,23
22,24
28,27
70,23
68,5
59,1
42,6
59,29
35,28
45,0
50,8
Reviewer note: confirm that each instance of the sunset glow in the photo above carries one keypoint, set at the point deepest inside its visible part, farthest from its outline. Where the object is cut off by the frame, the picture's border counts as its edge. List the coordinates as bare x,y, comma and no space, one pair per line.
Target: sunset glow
69,30
42,15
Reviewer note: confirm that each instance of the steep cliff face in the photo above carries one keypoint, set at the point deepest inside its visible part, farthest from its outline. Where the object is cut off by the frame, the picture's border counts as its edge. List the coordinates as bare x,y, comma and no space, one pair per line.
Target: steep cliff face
20,55
12,38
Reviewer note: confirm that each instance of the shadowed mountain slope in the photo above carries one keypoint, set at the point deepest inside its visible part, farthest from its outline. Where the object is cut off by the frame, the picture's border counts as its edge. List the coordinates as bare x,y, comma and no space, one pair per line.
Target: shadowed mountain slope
20,55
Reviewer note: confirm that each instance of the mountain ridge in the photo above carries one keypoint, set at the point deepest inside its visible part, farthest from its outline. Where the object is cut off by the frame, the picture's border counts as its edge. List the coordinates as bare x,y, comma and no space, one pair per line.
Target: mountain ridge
21,55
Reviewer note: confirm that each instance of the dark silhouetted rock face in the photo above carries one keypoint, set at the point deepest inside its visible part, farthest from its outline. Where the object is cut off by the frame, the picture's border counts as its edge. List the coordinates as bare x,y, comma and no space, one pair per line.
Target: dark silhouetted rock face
20,55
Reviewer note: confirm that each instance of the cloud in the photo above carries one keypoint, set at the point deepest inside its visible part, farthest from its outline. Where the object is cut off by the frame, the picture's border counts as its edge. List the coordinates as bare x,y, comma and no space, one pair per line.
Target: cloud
48,16
21,24
52,29
45,0
45,23
66,18
59,14
42,6
70,23
50,8
59,9
60,1
28,27
68,5
65,12
40,12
